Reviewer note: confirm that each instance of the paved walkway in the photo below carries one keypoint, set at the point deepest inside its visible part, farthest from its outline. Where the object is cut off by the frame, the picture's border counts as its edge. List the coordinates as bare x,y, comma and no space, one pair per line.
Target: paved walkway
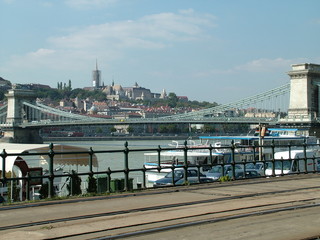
225,197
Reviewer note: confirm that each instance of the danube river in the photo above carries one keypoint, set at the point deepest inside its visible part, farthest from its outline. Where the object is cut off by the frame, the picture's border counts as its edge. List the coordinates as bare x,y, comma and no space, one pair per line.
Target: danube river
115,161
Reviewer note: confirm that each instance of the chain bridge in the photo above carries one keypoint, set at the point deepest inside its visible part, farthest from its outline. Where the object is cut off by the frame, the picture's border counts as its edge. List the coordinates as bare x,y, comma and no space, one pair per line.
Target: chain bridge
297,102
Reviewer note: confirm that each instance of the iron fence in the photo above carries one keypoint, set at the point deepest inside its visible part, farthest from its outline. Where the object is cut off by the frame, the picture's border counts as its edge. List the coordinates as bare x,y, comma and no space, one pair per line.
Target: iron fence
302,164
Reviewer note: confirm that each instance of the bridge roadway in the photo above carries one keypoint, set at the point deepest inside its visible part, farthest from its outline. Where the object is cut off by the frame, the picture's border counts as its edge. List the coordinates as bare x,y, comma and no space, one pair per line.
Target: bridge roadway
285,207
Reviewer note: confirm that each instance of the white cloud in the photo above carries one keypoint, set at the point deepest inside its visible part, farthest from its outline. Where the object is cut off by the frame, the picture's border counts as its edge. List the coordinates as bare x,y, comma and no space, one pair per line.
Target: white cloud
153,31
267,65
42,52
111,41
8,1
84,4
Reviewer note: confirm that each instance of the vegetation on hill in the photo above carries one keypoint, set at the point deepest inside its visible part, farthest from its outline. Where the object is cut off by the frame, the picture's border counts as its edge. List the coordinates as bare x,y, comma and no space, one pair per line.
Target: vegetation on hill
66,92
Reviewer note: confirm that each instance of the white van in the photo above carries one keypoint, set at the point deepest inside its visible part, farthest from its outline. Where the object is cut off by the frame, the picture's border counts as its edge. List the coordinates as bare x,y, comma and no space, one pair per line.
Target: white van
293,161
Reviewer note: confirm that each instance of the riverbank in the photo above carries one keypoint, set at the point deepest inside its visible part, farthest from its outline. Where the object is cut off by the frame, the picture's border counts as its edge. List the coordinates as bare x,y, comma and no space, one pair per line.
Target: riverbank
117,138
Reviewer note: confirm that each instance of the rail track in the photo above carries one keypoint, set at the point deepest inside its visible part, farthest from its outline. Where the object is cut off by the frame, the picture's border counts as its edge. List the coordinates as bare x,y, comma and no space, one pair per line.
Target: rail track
161,211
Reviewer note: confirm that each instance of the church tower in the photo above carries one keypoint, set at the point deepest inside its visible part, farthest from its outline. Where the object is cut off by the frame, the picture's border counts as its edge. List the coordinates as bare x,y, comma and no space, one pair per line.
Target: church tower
96,77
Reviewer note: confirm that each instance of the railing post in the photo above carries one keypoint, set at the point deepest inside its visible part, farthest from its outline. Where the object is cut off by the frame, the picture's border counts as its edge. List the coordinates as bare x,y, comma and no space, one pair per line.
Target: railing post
289,148
4,179
305,156
51,174
274,165
71,184
185,161
28,187
314,164
159,159
144,177
210,151
233,162
108,180
90,161
172,173
126,167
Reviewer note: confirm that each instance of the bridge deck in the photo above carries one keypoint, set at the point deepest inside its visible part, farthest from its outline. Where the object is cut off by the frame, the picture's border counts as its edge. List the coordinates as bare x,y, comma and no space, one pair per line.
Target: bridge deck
249,209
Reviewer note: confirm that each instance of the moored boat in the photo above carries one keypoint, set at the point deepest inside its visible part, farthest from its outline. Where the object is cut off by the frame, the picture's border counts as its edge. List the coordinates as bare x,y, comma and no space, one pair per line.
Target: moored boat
247,149
33,160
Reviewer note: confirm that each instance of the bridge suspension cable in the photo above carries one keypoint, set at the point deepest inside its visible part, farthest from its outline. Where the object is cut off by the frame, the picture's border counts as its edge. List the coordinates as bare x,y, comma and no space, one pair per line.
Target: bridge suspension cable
249,101
40,112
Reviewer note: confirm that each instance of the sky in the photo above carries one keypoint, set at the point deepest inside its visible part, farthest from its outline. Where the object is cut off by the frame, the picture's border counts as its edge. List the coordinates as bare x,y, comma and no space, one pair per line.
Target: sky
208,50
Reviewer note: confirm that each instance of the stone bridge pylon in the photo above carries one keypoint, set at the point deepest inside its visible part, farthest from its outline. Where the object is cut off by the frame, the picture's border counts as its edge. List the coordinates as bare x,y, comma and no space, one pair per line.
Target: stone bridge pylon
305,93
12,130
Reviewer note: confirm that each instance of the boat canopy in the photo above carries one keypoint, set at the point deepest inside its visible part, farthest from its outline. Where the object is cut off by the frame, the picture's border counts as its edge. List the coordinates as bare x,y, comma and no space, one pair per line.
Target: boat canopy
63,154
251,137
179,154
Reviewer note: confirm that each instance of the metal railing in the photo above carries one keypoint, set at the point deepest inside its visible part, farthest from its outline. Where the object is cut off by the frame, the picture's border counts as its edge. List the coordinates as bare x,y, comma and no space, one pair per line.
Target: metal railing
233,150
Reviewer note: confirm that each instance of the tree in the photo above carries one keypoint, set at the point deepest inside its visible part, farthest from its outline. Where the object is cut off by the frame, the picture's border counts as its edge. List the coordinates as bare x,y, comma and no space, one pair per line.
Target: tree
208,128
69,85
163,129
172,100
130,129
113,129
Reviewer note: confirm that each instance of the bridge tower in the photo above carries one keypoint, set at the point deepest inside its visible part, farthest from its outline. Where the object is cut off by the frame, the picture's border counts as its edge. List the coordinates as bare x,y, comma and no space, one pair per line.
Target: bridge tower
304,105
13,133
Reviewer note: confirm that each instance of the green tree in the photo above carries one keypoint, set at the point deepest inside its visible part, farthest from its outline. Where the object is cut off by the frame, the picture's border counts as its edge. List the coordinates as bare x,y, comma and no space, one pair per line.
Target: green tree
172,100
163,129
130,129
208,128
113,129
69,85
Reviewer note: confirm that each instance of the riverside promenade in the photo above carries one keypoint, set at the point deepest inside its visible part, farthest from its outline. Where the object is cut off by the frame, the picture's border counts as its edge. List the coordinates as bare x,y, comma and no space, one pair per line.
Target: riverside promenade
285,207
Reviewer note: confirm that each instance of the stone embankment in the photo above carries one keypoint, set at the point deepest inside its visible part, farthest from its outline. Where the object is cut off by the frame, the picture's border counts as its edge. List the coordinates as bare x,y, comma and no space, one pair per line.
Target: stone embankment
114,138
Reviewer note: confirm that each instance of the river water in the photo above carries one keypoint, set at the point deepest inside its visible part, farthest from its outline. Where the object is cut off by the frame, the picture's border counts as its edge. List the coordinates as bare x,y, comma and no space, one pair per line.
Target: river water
115,161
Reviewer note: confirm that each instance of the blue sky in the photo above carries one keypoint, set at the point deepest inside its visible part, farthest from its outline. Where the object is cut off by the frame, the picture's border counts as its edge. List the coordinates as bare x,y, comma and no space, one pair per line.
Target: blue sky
208,50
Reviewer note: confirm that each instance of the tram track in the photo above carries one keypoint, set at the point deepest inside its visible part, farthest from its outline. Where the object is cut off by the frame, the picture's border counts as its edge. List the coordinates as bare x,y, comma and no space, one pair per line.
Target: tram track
157,191
153,208
193,220
130,222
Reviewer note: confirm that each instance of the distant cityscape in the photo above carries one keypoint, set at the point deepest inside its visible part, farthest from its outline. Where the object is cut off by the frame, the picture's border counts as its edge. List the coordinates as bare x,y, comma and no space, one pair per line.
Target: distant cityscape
120,102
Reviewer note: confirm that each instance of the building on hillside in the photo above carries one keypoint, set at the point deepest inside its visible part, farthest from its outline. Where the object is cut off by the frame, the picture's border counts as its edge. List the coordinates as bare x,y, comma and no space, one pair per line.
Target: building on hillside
138,93
163,94
114,92
101,106
31,86
66,103
183,98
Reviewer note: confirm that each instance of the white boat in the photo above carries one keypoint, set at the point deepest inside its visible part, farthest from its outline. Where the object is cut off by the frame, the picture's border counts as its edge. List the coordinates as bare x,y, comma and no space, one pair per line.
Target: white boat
247,149
262,146
18,165
172,159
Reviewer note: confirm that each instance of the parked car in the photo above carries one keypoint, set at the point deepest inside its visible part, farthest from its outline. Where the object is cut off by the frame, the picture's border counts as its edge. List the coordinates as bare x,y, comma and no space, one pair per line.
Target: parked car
240,173
178,174
192,180
259,166
216,172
